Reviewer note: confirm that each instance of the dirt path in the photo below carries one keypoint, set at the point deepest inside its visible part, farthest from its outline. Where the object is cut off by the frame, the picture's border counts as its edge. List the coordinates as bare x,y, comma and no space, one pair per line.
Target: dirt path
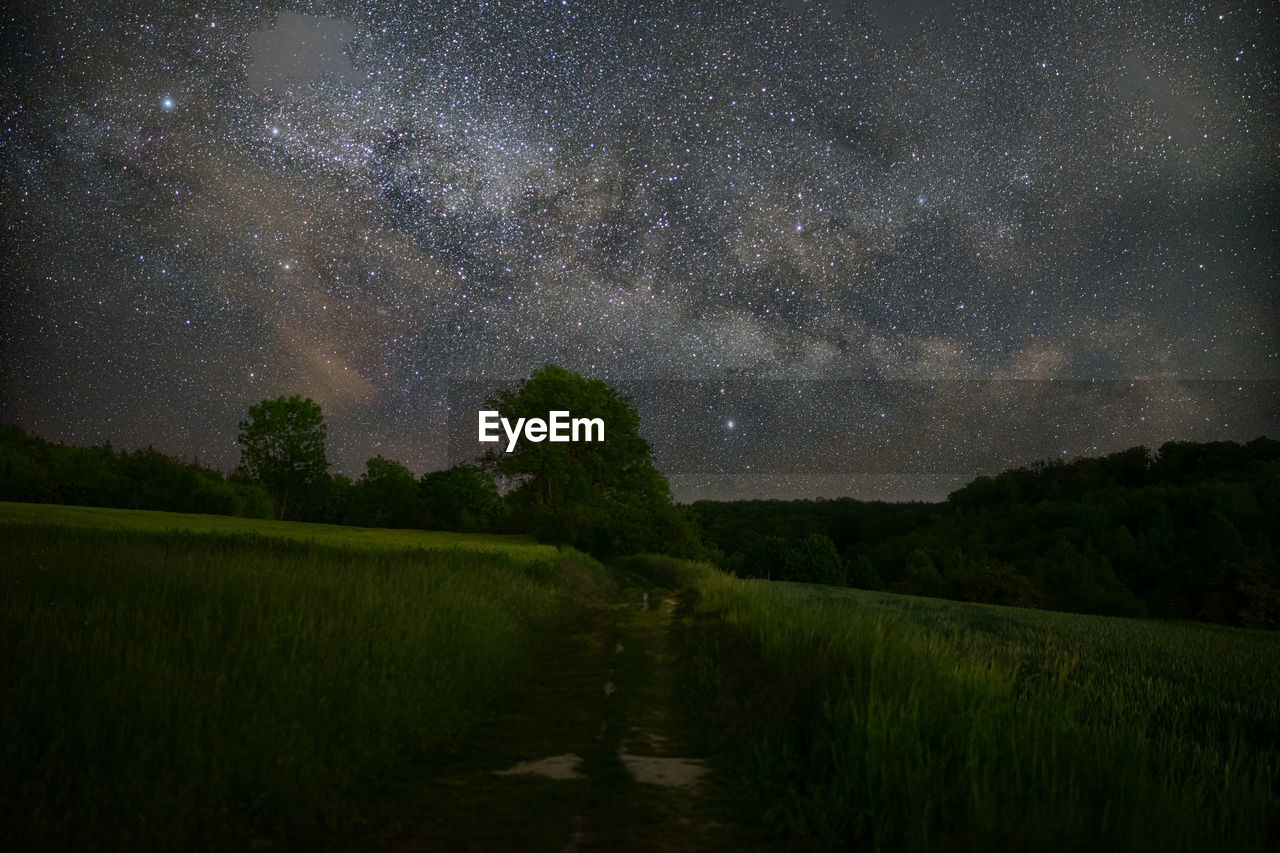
589,756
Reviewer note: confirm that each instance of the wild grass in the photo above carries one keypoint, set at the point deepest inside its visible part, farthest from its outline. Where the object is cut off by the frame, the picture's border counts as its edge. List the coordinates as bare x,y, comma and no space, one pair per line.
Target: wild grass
1182,679
165,690
846,719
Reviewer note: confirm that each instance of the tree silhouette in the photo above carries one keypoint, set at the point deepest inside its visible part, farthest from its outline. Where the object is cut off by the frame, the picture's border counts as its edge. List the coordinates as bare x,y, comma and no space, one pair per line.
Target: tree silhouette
604,496
282,446
554,474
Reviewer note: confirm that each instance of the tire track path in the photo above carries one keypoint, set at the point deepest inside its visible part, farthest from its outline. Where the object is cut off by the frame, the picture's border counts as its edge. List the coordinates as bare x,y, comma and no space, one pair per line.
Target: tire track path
590,755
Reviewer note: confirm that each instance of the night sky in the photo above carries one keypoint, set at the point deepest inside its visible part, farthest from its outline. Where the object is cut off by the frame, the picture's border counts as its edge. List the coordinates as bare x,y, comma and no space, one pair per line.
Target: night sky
869,249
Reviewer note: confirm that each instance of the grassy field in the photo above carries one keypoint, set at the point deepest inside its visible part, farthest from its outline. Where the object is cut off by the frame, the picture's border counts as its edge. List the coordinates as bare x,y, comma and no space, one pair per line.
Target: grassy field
197,682
380,539
249,683
844,718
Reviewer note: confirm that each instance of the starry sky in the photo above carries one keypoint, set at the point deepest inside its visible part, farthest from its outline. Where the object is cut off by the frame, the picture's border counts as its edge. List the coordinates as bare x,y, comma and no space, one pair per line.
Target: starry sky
843,248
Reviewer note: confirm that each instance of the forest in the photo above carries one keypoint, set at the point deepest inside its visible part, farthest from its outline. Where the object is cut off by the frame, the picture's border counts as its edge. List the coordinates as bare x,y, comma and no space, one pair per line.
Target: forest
1188,532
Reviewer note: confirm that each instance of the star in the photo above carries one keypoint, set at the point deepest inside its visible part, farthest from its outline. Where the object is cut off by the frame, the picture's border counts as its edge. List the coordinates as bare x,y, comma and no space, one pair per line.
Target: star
828,222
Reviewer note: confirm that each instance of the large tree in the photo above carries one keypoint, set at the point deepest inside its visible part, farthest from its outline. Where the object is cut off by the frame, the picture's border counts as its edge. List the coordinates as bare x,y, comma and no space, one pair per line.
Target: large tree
553,474
606,497
282,446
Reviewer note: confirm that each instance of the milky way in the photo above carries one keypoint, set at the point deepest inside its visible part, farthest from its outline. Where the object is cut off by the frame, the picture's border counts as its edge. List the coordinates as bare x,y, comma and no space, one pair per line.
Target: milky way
842,248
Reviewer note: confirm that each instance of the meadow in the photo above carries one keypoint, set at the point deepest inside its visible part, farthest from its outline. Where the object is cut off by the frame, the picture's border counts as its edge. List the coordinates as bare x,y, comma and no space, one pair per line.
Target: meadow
206,682
210,682
847,718
339,535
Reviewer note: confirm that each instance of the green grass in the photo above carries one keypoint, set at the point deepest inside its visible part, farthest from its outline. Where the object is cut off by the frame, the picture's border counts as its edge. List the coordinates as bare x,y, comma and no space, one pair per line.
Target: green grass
381,539
160,689
841,718
187,681
1185,679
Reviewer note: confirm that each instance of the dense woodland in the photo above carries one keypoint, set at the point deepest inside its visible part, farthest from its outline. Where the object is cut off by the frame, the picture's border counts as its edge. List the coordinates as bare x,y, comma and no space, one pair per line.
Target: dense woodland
1187,532
35,470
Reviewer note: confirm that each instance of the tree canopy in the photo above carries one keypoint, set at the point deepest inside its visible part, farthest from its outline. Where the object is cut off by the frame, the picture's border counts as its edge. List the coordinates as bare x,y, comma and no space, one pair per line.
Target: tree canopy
554,474
1189,532
606,497
386,495
32,469
463,497
282,446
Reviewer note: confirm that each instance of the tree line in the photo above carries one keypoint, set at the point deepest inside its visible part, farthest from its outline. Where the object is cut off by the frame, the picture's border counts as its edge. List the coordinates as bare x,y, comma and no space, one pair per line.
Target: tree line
282,449
606,498
1187,532
39,471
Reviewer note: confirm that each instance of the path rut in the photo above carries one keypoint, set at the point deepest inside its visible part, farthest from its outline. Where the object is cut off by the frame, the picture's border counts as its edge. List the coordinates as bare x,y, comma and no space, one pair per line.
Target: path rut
590,755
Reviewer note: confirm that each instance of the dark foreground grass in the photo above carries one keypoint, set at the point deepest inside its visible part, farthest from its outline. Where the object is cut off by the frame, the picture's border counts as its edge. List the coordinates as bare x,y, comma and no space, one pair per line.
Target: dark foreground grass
179,691
845,720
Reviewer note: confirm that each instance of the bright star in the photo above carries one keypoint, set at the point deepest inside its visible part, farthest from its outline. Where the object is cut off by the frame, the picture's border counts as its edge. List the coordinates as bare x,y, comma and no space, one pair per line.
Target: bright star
167,103
728,424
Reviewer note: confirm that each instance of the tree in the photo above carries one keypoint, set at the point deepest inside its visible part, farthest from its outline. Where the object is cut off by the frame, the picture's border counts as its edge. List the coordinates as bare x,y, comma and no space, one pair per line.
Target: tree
555,474
811,559
282,446
603,496
922,576
463,498
863,574
999,583
386,495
